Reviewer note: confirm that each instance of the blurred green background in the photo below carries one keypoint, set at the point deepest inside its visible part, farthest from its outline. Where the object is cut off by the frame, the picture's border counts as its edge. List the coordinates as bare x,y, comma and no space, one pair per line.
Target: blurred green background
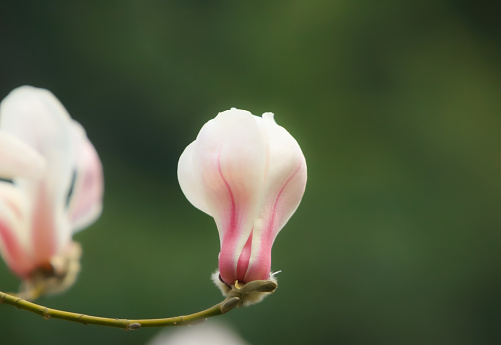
395,104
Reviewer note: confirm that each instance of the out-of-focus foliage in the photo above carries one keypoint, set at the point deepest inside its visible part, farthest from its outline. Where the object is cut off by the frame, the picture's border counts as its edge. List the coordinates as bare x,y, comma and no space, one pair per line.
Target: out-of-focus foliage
396,106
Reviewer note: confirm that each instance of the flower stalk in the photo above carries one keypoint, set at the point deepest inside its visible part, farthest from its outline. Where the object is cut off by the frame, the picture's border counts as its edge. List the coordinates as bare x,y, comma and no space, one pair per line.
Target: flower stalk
233,300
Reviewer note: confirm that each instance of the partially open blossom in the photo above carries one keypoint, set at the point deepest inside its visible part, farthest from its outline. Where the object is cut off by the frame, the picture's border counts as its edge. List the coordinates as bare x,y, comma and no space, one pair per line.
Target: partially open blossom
51,185
249,174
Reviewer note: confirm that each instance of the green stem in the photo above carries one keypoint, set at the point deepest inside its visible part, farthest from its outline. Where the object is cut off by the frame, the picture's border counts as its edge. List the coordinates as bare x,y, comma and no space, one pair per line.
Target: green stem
49,313
235,298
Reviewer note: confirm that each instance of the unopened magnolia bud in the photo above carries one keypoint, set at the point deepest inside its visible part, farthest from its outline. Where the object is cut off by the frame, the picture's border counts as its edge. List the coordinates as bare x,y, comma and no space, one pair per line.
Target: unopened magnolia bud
249,174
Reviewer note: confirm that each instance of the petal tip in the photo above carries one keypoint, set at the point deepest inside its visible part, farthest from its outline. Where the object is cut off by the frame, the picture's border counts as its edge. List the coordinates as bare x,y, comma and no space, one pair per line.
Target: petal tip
269,116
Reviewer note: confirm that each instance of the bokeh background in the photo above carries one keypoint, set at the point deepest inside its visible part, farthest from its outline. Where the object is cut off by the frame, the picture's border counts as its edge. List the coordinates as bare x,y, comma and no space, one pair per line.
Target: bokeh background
395,104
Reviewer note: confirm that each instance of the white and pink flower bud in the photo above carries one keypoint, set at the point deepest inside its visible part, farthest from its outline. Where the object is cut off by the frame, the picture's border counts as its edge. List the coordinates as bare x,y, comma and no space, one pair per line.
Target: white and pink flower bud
249,174
51,182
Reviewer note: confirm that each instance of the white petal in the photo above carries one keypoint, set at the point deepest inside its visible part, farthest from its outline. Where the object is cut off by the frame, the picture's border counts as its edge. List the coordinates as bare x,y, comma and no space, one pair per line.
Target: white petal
18,158
190,179
37,118
86,199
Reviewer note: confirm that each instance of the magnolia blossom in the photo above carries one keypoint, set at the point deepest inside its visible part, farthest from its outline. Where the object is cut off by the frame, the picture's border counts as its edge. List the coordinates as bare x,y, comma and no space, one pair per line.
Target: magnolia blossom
51,185
249,174
208,333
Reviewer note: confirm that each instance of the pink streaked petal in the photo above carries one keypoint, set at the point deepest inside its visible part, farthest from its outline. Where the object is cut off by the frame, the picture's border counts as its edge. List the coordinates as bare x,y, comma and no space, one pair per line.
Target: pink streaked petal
285,184
286,175
43,224
276,213
13,231
227,262
18,158
230,151
287,200
16,257
259,264
86,200
243,260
